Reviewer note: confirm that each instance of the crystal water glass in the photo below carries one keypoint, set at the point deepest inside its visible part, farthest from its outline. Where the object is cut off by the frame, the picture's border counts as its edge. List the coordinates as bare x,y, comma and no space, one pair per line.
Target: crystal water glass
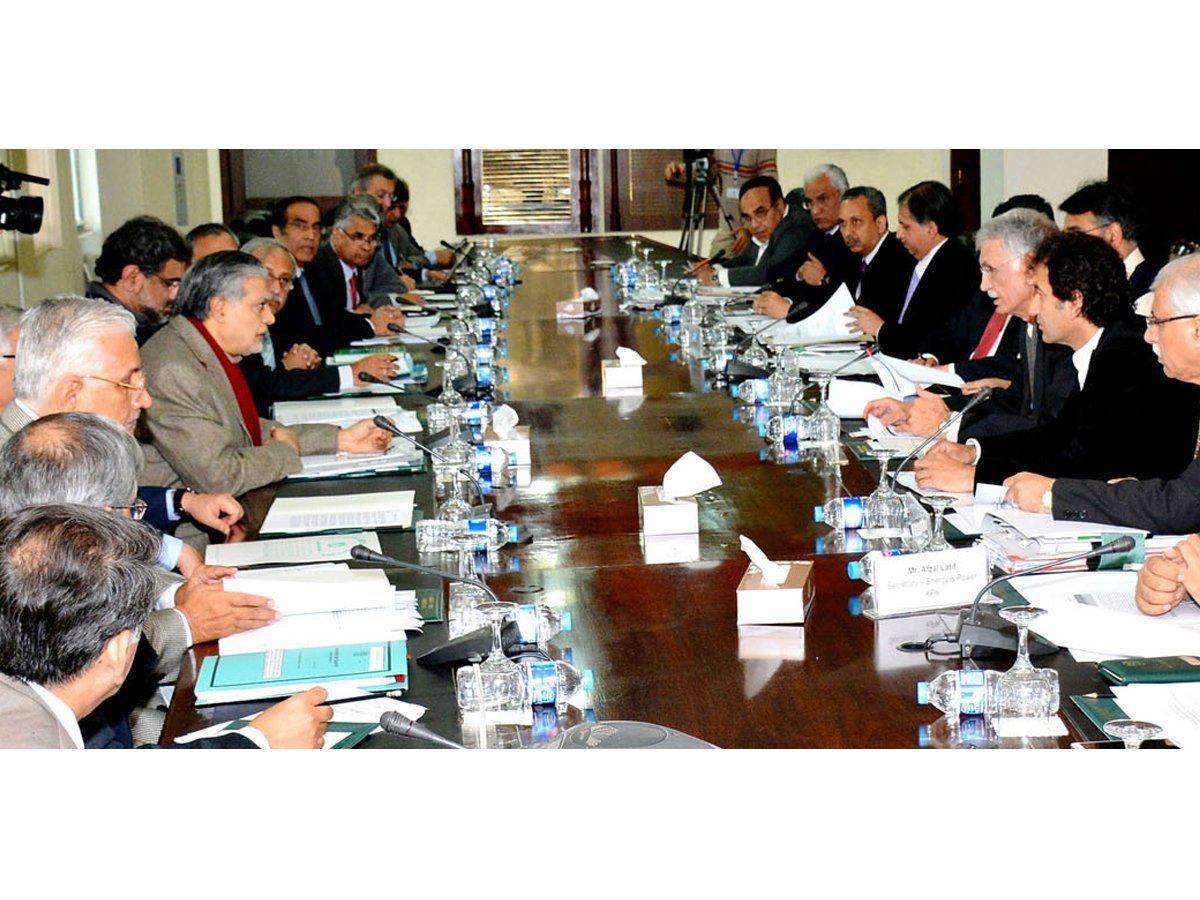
1025,691
1131,731
939,503
885,508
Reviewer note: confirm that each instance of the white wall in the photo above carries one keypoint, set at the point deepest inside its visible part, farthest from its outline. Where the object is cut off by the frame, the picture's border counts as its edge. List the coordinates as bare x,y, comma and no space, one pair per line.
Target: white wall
1054,174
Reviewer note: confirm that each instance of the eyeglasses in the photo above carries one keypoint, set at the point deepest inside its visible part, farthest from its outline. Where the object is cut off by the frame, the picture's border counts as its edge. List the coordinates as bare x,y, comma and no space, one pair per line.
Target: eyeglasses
137,387
285,281
171,284
137,509
1153,321
989,270
358,237
298,225
1075,229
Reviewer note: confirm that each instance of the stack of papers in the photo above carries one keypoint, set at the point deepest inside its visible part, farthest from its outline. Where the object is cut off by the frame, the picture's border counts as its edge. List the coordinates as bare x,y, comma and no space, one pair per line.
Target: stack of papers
345,410
346,512
319,548
393,346
1018,540
401,456
307,589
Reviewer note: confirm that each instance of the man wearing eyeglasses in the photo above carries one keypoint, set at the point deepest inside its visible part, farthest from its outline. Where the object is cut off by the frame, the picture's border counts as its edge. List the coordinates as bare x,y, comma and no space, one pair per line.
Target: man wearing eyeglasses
776,237
825,261
140,267
323,310
1105,210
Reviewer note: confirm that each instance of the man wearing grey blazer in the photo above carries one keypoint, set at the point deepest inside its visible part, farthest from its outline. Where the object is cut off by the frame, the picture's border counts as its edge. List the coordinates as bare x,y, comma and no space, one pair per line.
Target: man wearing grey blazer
777,238
203,421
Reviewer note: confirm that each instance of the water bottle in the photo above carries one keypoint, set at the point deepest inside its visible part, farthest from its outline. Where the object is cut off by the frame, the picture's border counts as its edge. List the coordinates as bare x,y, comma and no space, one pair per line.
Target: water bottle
538,623
966,692
554,682
494,463
864,569
488,534
841,512
434,535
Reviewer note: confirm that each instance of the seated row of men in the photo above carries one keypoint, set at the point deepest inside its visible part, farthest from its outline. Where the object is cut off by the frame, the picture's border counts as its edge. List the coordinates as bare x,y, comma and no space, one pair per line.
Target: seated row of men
74,390
1094,406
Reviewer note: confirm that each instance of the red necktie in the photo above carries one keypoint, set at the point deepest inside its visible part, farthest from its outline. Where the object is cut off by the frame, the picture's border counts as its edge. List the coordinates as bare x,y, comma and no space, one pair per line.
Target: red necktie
994,326
354,291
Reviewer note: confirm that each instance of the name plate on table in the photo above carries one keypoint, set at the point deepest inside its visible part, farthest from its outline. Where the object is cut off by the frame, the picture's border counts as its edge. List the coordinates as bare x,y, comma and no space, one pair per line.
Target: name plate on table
919,582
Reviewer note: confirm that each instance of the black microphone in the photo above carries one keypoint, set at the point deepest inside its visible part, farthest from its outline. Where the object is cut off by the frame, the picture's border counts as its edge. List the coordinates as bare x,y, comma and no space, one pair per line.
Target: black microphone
798,311
386,424
371,379
397,328
402,726
989,632
983,394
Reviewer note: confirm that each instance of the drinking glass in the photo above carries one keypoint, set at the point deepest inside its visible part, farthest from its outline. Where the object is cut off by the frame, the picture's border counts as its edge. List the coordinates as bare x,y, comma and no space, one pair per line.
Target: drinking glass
1025,690
937,536
1131,731
826,426
885,509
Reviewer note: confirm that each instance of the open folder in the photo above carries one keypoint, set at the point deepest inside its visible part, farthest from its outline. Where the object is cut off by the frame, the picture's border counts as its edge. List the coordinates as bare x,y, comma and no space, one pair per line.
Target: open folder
346,512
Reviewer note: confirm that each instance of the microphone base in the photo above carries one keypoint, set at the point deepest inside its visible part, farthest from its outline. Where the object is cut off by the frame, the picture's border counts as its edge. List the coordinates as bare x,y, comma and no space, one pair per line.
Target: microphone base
740,371
991,636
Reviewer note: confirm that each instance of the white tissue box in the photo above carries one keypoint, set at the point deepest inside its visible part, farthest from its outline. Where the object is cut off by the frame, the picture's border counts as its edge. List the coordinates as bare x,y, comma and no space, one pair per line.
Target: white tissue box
671,548
577,308
616,377
658,515
771,642
517,446
760,603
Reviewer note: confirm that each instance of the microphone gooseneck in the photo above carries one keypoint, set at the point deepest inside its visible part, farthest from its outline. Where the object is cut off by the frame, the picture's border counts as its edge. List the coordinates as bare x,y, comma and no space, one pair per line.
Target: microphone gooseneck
386,424
397,328
366,554
983,395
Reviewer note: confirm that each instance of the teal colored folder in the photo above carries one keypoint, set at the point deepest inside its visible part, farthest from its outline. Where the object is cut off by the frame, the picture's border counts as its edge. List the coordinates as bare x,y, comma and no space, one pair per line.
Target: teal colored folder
283,671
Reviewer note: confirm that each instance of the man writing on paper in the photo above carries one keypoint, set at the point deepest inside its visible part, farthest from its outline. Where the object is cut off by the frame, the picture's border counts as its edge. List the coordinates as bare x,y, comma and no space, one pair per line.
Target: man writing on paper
205,424
1081,299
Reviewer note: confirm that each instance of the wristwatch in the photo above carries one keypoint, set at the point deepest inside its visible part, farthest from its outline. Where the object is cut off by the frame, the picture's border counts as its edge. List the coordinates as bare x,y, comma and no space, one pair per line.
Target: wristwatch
1048,499
177,502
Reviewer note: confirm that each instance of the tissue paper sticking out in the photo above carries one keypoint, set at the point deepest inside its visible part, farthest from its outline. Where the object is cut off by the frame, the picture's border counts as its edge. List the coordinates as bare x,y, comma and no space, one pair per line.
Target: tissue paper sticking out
689,475
504,420
630,357
772,572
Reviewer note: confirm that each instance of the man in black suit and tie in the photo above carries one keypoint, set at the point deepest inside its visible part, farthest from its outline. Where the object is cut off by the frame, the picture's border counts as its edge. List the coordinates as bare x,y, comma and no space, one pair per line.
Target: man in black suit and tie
327,308
1081,299
1105,210
884,267
943,280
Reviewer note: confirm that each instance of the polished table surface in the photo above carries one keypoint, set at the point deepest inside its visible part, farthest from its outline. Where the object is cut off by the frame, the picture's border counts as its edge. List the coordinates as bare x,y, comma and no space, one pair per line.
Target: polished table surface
661,637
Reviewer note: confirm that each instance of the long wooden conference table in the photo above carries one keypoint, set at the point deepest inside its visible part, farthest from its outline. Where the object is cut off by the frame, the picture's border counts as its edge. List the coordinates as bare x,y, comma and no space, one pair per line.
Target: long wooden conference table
661,637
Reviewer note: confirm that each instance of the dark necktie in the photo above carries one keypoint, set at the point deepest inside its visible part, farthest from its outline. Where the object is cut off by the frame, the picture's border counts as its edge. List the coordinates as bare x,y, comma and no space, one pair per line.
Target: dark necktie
354,291
308,297
1031,345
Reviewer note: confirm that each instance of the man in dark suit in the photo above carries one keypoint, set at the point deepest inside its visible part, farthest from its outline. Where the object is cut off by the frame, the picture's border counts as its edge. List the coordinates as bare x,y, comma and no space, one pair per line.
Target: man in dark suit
775,237
140,267
883,267
298,372
1105,210
943,280
321,312
76,583
1163,506
1081,299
